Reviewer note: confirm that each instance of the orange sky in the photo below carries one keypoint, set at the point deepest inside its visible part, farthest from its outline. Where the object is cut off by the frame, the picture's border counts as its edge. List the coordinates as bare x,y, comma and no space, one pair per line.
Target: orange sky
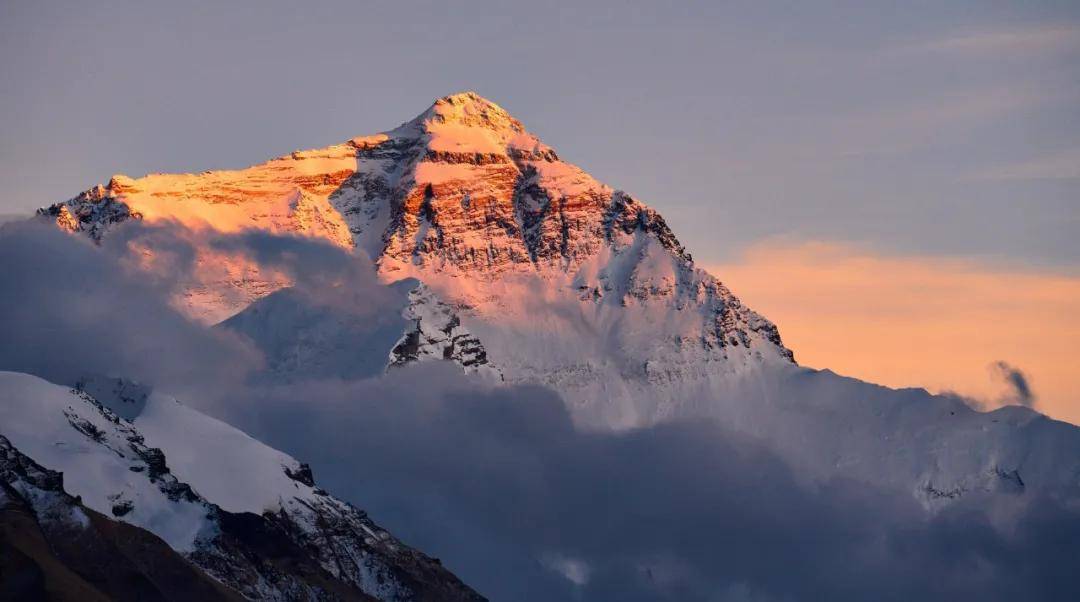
924,321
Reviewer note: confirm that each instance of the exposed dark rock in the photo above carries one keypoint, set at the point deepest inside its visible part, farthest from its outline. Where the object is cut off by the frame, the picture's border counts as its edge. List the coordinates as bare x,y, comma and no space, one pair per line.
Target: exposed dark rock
54,548
301,474
123,507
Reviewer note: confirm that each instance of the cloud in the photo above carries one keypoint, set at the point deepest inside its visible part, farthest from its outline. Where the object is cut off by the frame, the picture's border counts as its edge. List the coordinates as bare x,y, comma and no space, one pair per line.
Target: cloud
1020,392
69,308
925,321
902,127
499,483
1038,39
901,123
309,262
1064,165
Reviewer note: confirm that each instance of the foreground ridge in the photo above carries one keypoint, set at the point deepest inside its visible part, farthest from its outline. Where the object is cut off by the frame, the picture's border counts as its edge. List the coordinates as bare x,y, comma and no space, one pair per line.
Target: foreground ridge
248,517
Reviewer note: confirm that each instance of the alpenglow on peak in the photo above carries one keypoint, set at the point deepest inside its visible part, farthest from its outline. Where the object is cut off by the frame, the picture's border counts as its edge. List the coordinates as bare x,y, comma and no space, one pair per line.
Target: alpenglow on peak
466,200
470,108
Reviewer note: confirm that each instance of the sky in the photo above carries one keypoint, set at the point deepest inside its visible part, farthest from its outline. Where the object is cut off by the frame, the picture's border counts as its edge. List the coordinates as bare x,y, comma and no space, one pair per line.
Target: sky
939,142
942,323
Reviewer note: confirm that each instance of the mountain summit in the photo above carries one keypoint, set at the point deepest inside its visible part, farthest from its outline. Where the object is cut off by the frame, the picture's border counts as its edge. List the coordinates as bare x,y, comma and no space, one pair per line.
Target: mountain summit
469,109
461,185
466,200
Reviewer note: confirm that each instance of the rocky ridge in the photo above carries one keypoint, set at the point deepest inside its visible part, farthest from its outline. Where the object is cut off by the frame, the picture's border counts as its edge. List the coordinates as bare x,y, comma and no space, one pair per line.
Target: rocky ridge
437,334
54,547
493,221
300,543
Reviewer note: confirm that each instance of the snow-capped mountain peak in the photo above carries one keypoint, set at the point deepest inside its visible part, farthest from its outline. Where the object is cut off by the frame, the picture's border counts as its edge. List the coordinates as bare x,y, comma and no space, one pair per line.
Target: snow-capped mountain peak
521,244
467,122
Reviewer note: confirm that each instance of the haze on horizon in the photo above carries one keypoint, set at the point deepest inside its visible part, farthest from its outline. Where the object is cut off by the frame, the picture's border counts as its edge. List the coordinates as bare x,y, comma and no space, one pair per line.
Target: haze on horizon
932,151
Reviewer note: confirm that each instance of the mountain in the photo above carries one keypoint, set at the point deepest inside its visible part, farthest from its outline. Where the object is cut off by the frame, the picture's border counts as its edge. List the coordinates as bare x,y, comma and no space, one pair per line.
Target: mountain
113,491
561,279
531,271
52,547
301,336
490,252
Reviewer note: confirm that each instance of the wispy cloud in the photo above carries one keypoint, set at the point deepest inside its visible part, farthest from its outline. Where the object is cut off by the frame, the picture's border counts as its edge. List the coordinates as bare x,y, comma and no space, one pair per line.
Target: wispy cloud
949,93
1039,39
928,321
900,126
1019,388
1063,165
905,127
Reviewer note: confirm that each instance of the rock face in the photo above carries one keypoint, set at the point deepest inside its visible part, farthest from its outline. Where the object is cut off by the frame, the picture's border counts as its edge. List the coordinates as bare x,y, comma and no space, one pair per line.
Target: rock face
248,517
437,334
302,336
486,215
52,547
92,212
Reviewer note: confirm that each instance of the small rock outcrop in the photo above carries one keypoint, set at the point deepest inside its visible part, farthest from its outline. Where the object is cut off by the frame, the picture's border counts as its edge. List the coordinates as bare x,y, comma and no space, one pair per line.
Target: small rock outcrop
436,333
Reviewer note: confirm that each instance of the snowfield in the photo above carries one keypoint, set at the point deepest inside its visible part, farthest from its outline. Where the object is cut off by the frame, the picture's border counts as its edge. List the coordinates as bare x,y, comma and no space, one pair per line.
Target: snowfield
65,432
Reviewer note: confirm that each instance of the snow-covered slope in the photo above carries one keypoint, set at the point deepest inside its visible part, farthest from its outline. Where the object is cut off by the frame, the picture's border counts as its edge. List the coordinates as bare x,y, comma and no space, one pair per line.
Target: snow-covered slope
248,515
937,448
303,337
562,279
52,547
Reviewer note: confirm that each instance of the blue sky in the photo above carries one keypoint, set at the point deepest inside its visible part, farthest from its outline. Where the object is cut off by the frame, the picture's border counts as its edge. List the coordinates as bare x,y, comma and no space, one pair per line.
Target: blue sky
917,127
